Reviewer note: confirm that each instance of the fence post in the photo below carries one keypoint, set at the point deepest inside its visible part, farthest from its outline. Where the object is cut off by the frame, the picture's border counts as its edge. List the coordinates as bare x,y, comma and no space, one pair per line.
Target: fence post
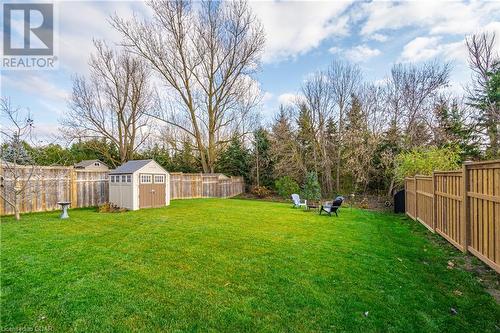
465,225
416,201
434,203
73,188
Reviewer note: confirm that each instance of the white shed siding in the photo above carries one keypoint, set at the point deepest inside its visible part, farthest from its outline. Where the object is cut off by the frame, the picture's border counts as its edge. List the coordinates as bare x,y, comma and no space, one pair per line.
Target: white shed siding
135,189
120,194
126,195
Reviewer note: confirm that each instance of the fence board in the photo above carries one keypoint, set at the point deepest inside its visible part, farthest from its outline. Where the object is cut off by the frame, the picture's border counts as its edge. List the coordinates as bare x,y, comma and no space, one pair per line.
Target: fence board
449,193
484,205
424,195
410,200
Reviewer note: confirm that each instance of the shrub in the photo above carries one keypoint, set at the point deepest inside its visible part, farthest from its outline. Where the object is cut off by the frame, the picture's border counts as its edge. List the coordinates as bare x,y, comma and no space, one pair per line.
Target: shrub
311,190
261,191
424,161
286,186
110,208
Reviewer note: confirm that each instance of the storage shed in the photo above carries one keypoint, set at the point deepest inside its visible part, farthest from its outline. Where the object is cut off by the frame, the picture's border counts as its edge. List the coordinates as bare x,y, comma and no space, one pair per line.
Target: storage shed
139,184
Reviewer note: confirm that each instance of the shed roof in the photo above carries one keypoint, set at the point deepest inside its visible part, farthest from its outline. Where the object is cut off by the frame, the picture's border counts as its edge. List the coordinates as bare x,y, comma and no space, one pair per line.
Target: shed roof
86,163
131,166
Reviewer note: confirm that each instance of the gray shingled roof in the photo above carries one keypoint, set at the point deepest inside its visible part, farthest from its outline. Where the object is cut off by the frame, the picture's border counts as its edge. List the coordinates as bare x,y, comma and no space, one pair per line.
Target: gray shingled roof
86,163
130,166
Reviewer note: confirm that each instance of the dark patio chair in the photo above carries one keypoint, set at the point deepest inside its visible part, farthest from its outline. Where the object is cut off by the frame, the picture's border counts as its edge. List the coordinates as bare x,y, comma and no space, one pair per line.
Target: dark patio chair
332,206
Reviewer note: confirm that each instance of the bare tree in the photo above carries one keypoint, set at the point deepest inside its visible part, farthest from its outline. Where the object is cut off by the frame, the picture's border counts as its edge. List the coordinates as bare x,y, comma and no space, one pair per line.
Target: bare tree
206,55
410,91
113,103
345,79
372,99
16,162
483,57
318,98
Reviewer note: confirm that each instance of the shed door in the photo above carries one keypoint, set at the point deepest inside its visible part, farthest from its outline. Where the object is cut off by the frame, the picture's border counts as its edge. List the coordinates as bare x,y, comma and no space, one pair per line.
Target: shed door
151,190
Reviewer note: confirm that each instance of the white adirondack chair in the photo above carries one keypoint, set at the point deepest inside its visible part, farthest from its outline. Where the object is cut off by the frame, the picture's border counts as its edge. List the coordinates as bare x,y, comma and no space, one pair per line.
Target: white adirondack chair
296,201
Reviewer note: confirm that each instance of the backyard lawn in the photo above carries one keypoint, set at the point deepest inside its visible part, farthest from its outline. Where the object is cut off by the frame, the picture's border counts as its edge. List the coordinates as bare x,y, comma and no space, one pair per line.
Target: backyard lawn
233,266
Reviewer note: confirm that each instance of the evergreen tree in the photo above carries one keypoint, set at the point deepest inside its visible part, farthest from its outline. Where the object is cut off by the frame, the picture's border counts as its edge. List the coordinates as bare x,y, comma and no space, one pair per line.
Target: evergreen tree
262,166
158,153
16,151
452,130
184,159
235,160
311,189
306,139
99,149
284,149
357,140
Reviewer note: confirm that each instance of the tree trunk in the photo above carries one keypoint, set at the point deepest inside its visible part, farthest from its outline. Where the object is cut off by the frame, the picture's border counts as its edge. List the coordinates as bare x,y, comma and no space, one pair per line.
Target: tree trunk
16,207
391,188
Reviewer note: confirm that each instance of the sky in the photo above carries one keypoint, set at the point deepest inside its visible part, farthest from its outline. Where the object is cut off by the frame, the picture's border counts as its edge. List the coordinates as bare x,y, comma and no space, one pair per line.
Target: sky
301,37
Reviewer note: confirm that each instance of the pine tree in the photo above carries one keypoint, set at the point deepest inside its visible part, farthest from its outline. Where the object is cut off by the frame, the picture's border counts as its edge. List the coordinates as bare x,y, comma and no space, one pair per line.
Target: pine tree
235,160
284,149
262,166
306,139
360,145
158,153
184,160
16,151
311,189
453,132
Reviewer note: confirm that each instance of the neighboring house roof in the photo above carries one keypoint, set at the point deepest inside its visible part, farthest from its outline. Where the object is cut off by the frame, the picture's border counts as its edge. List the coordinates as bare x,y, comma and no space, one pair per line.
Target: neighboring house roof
86,163
132,166
220,175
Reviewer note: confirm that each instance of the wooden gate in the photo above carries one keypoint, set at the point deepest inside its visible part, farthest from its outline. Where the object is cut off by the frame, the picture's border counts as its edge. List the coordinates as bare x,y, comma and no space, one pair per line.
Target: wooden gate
151,190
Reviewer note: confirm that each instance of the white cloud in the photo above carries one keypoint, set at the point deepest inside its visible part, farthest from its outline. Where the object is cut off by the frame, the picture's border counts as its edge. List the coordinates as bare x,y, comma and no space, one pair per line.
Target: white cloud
379,37
287,98
493,27
425,48
76,34
35,84
439,17
335,50
360,53
294,28
267,96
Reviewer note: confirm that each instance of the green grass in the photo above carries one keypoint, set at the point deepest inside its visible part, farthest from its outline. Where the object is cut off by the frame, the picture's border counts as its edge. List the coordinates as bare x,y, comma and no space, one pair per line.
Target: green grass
233,266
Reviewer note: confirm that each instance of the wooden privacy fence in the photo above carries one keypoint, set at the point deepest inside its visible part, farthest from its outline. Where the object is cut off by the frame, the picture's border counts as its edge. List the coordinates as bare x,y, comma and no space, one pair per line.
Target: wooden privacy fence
48,185
462,206
200,185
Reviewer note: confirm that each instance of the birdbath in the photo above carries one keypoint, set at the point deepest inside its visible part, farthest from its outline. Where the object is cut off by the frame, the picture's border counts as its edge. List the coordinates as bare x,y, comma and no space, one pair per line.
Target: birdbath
64,206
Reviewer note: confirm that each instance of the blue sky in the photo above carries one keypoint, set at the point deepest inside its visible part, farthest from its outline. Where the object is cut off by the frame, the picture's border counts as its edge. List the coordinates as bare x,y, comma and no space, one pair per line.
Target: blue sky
302,37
